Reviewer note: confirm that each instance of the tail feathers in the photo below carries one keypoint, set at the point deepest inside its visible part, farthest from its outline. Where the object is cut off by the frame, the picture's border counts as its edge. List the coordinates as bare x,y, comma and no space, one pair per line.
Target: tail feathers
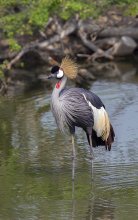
110,138
98,141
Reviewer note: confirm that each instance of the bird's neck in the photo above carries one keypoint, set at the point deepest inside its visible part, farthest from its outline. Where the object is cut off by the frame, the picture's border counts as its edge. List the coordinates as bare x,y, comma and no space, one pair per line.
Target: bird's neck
59,86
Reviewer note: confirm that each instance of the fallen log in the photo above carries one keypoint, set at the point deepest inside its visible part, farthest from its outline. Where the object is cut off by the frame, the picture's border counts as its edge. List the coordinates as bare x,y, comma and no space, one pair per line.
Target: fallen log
106,43
119,32
125,46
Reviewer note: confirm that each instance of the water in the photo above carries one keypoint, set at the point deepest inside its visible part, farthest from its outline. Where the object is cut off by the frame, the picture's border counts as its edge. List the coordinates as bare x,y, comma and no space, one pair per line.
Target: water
35,160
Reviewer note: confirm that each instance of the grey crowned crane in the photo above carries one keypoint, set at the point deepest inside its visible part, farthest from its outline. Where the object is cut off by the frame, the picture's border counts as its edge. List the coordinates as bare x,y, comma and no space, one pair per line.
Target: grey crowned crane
77,107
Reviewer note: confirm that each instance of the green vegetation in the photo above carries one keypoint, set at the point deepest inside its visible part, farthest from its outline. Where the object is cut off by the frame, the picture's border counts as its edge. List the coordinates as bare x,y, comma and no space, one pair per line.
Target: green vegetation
133,9
28,16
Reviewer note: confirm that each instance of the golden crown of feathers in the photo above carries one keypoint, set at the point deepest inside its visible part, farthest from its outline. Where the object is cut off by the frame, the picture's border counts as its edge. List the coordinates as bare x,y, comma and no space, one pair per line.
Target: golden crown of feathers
69,67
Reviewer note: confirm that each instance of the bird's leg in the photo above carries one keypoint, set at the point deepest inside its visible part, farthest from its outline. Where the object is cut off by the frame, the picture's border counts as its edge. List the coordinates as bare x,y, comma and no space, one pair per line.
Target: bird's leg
91,150
73,147
73,157
92,155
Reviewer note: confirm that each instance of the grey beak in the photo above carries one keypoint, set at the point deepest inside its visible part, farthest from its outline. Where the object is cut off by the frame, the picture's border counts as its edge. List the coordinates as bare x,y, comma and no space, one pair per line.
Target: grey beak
52,76
49,77
44,77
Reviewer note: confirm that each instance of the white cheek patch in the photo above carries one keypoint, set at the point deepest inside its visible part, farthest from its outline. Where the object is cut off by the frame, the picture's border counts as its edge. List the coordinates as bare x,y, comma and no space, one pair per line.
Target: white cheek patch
60,74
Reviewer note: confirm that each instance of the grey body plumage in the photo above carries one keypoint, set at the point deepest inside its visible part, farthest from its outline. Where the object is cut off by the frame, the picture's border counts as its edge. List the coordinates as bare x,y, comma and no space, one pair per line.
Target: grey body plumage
70,108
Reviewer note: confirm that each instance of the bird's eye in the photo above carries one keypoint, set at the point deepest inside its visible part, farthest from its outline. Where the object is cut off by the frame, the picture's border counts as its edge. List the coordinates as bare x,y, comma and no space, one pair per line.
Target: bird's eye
60,74
54,69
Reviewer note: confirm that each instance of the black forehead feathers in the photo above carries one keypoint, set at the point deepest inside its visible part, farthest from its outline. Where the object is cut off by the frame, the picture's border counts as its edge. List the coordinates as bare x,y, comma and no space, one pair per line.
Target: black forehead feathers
54,69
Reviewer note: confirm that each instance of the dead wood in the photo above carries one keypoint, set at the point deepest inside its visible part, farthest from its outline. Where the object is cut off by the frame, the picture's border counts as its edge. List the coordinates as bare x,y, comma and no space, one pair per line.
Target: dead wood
125,46
102,42
98,52
67,29
106,43
119,32
20,54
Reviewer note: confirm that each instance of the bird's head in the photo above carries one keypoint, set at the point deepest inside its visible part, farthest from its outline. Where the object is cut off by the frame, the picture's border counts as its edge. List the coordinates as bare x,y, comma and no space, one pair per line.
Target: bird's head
67,67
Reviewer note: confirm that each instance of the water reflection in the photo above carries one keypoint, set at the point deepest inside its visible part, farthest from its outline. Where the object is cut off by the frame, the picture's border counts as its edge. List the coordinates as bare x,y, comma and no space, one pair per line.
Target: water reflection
35,161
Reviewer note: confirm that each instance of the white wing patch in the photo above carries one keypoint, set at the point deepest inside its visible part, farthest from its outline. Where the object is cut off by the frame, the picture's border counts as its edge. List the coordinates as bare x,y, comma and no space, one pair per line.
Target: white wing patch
101,121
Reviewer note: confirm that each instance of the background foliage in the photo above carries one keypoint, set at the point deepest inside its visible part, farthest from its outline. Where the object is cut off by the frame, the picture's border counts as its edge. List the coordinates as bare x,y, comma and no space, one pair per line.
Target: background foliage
27,16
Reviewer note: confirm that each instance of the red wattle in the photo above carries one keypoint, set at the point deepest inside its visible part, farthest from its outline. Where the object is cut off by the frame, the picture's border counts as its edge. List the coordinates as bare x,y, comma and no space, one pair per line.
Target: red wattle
58,85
